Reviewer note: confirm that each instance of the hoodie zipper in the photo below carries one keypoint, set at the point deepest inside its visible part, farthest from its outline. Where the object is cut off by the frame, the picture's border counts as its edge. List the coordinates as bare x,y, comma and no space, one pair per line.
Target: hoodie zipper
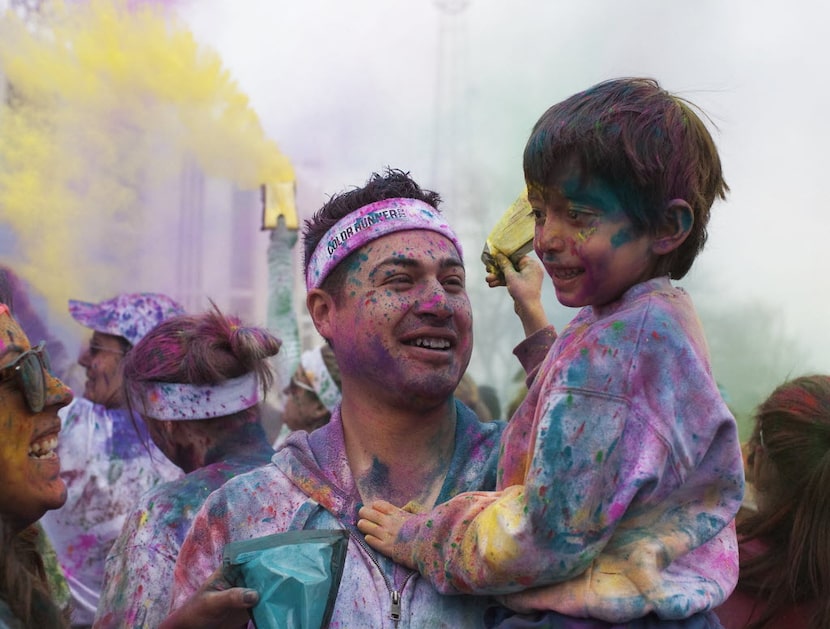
394,595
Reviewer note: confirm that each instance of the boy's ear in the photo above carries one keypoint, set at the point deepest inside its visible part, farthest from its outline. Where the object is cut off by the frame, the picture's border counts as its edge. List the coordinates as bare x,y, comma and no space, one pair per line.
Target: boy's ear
321,307
675,227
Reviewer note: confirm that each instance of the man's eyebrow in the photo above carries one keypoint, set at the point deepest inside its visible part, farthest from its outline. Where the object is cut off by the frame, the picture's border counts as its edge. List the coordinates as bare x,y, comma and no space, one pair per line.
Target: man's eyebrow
410,263
396,261
448,263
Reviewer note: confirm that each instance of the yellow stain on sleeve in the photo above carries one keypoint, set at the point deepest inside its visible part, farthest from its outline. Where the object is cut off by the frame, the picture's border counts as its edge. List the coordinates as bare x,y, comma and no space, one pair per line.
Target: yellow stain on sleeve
496,532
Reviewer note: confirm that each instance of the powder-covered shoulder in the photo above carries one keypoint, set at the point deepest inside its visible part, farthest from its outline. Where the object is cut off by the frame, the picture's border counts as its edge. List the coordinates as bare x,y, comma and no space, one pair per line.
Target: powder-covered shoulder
264,498
670,326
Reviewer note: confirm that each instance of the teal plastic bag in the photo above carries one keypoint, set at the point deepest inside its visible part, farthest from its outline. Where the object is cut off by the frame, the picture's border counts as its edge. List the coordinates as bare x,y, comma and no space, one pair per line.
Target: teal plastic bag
297,575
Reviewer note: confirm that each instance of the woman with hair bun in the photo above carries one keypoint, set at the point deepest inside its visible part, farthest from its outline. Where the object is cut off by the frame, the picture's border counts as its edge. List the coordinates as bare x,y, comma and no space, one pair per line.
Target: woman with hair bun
197,381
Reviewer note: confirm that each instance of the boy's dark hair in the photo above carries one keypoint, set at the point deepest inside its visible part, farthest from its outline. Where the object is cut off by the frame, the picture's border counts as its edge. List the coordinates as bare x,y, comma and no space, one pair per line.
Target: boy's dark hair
648,144
393,183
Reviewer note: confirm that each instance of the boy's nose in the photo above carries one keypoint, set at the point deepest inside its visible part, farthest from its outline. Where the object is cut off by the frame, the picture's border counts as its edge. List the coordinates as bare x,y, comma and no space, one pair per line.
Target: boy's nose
550,238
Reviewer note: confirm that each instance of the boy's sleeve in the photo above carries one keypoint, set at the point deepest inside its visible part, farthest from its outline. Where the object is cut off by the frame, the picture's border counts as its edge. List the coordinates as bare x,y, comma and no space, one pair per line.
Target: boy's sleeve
531,351
579,484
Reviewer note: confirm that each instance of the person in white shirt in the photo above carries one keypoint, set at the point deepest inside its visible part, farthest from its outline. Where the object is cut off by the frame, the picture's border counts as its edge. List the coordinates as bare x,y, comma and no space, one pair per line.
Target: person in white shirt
107,457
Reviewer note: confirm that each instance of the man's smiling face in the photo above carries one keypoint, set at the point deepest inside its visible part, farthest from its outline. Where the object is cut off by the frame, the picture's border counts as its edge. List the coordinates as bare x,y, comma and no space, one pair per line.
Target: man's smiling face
403,319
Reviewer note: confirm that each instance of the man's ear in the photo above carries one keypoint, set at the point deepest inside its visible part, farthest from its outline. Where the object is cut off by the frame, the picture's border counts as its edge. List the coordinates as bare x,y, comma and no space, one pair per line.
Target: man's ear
321,307
675,227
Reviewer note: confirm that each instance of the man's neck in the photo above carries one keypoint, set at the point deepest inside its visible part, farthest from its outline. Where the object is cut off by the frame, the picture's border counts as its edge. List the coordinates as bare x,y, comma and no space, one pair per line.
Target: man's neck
399,455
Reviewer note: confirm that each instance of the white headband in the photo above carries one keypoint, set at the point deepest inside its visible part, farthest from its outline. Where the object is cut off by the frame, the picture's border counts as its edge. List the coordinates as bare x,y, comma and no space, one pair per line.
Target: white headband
175,401
370,223
318,375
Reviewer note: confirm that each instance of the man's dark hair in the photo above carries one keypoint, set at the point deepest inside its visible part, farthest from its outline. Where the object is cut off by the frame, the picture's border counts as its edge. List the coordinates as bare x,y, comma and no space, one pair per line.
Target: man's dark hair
393,183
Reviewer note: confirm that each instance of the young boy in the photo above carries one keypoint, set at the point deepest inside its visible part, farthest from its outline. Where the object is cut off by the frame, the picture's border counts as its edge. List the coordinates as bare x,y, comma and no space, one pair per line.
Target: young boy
620,474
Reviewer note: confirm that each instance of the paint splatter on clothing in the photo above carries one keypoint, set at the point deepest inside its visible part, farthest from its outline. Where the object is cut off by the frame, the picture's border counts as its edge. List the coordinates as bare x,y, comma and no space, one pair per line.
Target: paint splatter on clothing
310,486
139,569
58,586
619,477
107,467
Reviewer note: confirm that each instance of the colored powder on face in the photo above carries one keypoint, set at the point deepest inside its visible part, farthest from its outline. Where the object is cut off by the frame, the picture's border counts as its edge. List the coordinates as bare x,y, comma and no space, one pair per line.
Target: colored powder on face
622,237
585,234
107,104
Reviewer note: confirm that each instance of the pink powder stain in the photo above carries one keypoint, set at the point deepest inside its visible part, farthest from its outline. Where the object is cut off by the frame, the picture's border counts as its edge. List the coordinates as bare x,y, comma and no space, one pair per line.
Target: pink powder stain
616,511
433,301
79,552
85,542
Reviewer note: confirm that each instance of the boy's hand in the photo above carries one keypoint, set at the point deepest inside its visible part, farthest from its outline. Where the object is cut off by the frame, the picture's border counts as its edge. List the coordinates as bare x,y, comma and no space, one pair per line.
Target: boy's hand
380,522
217,605
525,287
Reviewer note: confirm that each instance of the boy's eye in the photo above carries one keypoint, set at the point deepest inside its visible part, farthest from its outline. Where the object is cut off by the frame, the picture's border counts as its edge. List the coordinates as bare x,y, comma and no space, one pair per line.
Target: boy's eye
537,214
580,213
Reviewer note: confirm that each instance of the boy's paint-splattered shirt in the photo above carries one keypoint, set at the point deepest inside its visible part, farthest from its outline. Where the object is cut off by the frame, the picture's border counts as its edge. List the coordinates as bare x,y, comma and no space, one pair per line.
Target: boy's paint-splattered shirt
139,570
619,476
107,466
310,486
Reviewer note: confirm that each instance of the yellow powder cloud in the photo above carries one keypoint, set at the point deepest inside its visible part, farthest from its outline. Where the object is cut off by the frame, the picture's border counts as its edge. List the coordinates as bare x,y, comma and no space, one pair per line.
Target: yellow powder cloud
104,104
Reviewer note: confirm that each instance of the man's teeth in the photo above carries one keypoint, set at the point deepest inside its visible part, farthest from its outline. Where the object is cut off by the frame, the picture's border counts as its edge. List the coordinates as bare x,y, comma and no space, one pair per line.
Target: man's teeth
44,449
432,343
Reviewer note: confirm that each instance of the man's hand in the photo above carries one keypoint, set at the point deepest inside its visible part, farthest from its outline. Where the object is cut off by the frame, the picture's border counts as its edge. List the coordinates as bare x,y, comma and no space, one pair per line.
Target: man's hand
217,605
381,522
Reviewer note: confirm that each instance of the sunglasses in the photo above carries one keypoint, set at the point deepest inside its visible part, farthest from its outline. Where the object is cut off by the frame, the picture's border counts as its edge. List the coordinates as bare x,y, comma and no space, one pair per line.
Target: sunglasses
28,369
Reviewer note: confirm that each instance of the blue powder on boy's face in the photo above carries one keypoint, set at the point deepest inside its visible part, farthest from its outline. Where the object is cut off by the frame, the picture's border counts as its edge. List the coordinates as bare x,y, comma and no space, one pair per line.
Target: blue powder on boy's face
625,235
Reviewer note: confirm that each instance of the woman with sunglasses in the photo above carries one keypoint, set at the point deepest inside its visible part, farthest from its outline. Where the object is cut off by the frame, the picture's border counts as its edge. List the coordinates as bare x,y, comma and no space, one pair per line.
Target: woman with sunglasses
30,397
